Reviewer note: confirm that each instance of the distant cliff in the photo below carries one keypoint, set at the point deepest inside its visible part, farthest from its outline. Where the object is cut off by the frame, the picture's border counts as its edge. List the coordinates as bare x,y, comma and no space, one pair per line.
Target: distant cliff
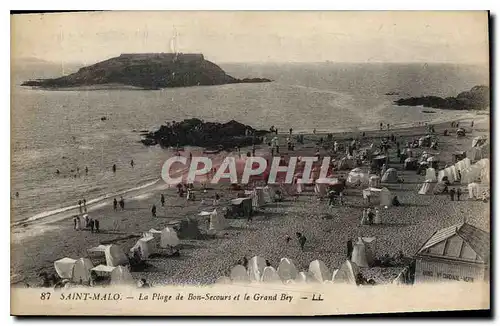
147,71
477,98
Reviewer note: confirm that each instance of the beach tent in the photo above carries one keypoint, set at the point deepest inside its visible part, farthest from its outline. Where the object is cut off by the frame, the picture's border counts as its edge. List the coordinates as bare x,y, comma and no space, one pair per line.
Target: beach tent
472,174
473,190
287,270
256,267
114,255
145,246
479,141
319,271
390,176
454,172
81,270
102,270
169,238
242,207
186,228
239,274
270,275
217,221
426,188
359,256
346,274
385,197
477,153
410,163
121,276
430,175
449,173
374,181
357,176
64,267
440,176
379,160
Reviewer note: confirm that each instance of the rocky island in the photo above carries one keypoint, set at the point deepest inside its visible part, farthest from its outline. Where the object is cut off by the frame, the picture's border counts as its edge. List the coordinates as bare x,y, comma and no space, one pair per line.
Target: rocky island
146,71
478,98
210,135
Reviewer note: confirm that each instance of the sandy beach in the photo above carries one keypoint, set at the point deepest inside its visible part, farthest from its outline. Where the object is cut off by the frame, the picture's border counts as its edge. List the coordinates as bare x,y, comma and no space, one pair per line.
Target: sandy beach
35,247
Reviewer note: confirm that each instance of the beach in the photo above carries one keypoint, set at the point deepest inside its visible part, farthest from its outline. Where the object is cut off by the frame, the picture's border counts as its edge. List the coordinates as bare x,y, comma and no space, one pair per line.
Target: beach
35,246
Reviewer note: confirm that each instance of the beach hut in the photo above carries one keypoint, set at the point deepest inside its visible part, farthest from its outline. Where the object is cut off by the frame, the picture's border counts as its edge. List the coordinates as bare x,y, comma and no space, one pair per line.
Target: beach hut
430,175
239,274
270,275
426,188
81,270
121,276
103,270
411,163
169,238
256,267
346,274
473,189
479,141
385,197
319,271
287,270
378,161
145,246
390,176
457,253
64,267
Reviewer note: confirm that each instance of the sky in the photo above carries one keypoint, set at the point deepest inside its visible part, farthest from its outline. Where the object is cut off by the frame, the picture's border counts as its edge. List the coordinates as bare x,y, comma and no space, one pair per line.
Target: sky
224,37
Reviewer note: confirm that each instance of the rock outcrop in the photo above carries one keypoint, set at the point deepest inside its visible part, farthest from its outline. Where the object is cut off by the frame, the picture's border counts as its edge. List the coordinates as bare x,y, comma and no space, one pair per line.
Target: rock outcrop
147,71
211,135
477,98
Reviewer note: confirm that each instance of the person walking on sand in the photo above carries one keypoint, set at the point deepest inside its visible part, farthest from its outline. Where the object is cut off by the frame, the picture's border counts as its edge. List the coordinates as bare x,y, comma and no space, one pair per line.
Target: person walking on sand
459,193
132,163
84,205
153,210
349,249
80,205
302,240
381,126
291,131
74,222
96,225
114,168
162,200
78,223
115,204
472,124
452,194
86,171
122,203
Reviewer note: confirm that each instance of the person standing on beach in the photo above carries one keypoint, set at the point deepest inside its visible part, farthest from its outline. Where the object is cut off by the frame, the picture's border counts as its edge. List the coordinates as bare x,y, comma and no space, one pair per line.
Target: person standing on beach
114,168
78,223
472,124
91,224
122,203
452,194
291,130
302,240
153,210
96,225
115,204
459,193
74,222
84,205
80,205
132,163
86,170
162,200
349,249
381,126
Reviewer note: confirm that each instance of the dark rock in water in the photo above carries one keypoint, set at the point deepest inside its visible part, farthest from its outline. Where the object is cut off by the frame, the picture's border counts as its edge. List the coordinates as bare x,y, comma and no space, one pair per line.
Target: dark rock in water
212,135
477,98
151,71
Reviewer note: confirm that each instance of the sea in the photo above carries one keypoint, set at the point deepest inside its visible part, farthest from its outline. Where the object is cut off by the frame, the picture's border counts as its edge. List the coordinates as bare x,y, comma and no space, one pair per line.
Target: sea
62,130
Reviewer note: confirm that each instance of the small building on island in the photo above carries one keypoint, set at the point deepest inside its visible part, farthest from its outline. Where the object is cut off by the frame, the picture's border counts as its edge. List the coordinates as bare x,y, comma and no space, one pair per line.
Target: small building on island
456,253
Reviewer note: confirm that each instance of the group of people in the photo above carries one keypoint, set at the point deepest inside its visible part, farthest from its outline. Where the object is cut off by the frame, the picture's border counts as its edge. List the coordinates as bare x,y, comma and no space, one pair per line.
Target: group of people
370,216
452,192
121,203
301,239
91,224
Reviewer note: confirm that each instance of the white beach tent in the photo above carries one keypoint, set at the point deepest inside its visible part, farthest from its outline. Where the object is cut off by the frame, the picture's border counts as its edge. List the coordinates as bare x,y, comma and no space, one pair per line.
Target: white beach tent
114,255
473,190
81,270
359,256
449,173
471,174
169,238
121,276
430,175
385,197
256,267
217,221
64,267
287,269
390,176
374,181
239,274
270,275
319,271
146,245
426,188
156,234
346,274
103,270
